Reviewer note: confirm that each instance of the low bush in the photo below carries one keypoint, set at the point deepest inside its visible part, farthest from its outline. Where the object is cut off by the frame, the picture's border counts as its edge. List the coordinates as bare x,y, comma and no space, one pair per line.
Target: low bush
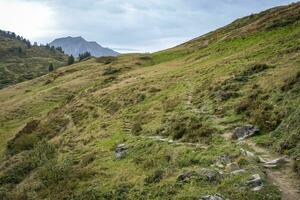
290,82
22,164
155,177
110,71
187,127
106,59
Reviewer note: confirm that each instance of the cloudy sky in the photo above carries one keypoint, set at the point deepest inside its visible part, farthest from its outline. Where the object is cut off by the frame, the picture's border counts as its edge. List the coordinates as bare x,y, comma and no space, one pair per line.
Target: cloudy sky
124,25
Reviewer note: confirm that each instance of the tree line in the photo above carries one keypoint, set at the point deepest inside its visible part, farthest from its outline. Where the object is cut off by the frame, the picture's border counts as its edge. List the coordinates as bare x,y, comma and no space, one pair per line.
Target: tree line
12,35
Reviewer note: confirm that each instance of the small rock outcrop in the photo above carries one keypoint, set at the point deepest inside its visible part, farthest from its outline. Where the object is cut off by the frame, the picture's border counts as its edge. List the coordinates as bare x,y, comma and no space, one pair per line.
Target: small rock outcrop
273,163
212,197
222,161
209,174
239,171
185,176
247,153
230,167
255,182
243,132
121,151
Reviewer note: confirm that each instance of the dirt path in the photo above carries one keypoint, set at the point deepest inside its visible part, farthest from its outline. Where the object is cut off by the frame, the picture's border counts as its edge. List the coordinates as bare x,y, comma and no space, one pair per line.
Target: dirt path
284,177
170,141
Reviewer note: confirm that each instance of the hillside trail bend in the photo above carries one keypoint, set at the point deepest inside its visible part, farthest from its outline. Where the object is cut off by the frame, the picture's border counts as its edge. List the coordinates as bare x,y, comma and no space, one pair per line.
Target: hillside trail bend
282,176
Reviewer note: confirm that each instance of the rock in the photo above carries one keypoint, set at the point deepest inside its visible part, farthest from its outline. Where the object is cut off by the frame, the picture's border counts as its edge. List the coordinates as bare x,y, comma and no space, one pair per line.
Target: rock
232,167
273,163
255,182
212,197
209,174
247,153
185,176
121,151
243,132
238,171
222,161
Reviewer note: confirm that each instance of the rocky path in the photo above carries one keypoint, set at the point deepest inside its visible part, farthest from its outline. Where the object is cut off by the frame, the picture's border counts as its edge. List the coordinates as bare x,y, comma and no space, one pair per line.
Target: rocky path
282,176
170,141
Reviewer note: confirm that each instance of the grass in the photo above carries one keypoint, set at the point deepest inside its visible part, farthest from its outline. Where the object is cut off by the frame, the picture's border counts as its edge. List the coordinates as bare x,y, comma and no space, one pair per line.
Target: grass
192,93
16,66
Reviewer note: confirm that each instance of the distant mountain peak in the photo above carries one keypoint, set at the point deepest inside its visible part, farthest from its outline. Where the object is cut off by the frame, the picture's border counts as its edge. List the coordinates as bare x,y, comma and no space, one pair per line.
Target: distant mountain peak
77,45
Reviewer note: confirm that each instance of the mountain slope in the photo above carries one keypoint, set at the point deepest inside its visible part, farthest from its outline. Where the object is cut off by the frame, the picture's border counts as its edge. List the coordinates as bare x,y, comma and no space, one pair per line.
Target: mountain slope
173,111
20,62
78,45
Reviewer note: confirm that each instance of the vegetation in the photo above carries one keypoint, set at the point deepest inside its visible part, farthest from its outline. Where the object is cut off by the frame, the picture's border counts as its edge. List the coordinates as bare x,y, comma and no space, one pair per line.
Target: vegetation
84,55
71,60
167,113
50,68
21,61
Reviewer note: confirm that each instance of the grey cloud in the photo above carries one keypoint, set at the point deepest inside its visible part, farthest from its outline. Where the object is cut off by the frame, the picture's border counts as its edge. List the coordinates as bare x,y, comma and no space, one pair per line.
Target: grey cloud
148,25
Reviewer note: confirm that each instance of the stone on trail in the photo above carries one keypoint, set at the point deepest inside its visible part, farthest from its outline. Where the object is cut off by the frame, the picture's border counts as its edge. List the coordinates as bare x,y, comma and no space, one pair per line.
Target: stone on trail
121,151
273,163
243,132
255,182
247,153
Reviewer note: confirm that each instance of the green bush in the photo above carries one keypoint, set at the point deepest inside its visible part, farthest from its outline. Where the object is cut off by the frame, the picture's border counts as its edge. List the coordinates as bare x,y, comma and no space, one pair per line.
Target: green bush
290,82
155,177
15,172
110,71
54,172
188,127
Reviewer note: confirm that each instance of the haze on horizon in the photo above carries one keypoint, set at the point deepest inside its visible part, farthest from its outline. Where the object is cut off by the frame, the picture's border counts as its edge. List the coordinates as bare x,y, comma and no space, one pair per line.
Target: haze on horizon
125,26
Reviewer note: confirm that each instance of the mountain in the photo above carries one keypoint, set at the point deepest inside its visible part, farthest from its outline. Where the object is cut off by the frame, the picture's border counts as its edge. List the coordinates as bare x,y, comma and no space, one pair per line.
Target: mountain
20,61
218,115
77,45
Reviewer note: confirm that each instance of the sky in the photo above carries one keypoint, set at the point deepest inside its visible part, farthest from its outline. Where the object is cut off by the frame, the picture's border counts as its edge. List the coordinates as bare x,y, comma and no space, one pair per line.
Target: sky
125,25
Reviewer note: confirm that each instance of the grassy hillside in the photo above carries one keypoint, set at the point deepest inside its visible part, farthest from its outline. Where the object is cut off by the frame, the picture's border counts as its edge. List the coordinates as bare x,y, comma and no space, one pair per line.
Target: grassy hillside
20,62
173,110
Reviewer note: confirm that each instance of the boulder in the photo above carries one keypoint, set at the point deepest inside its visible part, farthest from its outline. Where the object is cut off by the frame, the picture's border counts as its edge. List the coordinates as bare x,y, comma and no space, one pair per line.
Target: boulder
255,182
121,151
243,132
212,197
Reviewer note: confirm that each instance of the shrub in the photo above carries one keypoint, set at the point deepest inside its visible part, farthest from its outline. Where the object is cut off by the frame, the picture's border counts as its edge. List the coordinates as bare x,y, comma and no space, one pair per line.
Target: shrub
290,82
24,139
50,68
110,71
71,60
155,177
242,106
106,59
253,69
296,166
188,128
136,127
54,172
16,171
